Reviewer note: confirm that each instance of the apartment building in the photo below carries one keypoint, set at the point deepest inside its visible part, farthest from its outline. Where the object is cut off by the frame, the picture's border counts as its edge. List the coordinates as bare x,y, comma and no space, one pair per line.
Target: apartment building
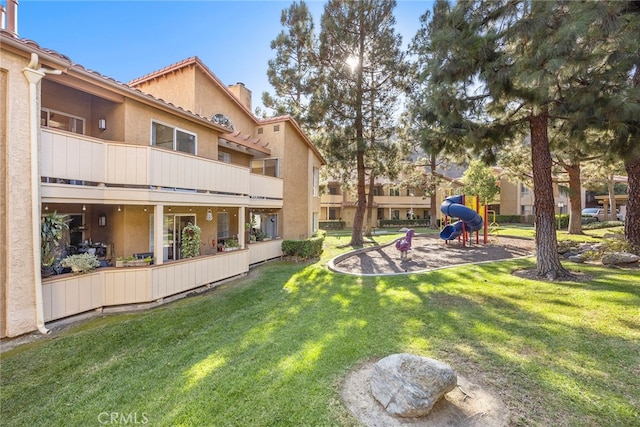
132,165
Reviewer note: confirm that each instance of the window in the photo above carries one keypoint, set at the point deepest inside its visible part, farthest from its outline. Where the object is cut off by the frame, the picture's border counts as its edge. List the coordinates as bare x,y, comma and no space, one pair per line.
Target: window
333,190
57,120
395,214
524,190
315,224
267,167
316,182
333,214
172,138
223,225
224,157
394,192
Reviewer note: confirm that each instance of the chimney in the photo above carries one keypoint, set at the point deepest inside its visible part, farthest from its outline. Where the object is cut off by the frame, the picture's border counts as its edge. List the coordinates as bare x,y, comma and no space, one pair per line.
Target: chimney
10,21
242,93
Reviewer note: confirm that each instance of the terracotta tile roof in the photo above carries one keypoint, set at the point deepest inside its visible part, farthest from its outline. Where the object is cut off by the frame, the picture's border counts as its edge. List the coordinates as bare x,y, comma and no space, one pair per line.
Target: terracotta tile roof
71,68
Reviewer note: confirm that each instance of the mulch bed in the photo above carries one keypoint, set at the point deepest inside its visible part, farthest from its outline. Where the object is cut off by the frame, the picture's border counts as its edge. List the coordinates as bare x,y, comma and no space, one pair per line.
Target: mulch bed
430,252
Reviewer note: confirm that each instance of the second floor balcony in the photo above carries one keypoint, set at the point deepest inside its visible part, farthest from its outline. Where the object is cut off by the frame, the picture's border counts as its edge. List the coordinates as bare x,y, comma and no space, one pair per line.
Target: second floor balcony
72,158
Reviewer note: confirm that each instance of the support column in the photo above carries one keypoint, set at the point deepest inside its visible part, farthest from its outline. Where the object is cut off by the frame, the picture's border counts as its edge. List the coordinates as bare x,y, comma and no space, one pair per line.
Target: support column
241,226
158,234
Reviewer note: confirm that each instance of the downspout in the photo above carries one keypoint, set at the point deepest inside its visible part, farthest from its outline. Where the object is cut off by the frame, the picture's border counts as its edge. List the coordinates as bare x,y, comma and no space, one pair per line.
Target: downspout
34,76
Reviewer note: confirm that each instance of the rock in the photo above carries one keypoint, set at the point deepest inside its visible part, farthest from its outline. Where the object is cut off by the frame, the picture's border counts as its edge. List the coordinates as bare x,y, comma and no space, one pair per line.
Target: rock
408,385
576,258
616,258
568,255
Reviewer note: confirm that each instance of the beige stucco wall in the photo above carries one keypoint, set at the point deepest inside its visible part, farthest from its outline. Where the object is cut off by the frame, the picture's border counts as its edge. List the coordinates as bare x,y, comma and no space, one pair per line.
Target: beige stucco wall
287,146
138,118
68,100
211,99
508,198
4,86
177,87
18,273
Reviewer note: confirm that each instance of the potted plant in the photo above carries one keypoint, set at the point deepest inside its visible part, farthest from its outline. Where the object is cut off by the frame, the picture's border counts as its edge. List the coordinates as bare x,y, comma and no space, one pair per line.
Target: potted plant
52,228
190,241
231,245
125,261
81,263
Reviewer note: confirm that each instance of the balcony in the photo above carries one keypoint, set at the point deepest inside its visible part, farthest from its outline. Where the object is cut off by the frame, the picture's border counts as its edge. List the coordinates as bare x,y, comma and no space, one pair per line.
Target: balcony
69,294
69,156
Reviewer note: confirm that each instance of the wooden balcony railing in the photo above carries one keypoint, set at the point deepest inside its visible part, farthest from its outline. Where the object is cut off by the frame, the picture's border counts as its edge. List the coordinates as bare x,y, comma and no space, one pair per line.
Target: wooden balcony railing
75,157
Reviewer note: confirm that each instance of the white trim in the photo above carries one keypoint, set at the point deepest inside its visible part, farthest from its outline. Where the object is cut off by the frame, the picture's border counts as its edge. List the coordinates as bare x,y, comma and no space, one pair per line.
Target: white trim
175,139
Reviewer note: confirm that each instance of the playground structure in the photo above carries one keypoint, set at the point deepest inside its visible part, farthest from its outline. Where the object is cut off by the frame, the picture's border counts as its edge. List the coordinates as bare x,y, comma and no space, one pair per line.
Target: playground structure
472,218
404,244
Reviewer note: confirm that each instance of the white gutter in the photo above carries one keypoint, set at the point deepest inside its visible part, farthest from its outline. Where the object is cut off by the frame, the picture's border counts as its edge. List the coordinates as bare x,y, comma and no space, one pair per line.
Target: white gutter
34,76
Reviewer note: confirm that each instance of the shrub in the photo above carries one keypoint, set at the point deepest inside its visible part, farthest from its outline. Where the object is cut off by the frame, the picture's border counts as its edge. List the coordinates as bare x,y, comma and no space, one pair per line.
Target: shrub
562,220
305,249
81,263
603,224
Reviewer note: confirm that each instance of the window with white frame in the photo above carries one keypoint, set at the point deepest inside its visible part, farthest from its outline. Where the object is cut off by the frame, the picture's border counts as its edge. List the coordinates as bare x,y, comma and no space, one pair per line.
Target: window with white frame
173,138
316,182
63,121
316,224
524,190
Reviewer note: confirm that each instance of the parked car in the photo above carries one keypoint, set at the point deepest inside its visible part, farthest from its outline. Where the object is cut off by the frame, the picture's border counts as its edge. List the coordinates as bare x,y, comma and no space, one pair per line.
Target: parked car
598,214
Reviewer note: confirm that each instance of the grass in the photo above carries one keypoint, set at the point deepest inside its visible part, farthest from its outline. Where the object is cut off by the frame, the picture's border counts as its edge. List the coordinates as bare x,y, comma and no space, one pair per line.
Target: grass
272,348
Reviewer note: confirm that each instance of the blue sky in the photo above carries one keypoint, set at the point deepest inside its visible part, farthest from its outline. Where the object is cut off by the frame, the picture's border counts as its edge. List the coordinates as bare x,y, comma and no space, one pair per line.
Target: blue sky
128,39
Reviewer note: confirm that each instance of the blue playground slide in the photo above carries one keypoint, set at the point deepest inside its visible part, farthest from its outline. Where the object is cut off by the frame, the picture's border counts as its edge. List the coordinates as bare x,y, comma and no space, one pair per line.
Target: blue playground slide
453,207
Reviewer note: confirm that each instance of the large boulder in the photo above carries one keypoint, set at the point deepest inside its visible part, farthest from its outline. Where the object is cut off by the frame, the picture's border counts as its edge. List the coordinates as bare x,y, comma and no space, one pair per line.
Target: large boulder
617,258
408,386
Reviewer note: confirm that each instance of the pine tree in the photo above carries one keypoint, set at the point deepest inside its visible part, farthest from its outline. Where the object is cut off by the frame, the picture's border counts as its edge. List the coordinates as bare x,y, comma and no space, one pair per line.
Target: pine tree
361,71
501,71
293,72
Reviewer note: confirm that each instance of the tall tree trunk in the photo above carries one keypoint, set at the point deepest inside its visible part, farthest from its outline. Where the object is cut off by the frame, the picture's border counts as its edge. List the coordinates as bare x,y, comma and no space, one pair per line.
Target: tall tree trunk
433,194
356,234
611,189
632,220
575,199
372,182
548,260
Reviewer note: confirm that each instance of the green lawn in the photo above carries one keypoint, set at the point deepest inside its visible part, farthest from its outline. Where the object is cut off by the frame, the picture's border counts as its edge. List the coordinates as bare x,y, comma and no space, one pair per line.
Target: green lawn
273,348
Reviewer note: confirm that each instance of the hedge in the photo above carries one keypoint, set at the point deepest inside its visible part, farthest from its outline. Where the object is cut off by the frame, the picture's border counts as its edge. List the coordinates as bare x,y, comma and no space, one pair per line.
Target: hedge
305,249
424,222
602,224
332,225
